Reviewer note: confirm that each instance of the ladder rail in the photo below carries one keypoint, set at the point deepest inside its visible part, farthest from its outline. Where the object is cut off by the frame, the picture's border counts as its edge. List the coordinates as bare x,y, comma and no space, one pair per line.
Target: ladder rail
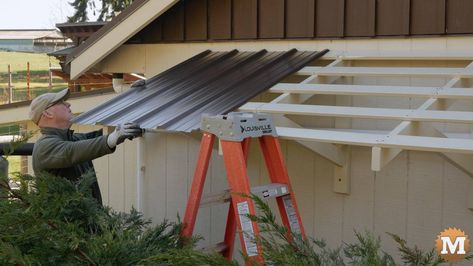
198,183
277,171
230,228
235,131
238,181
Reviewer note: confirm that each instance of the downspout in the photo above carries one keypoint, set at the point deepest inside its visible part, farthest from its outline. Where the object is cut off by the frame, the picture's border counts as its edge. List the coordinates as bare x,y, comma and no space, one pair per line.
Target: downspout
119,86
140,174
140,160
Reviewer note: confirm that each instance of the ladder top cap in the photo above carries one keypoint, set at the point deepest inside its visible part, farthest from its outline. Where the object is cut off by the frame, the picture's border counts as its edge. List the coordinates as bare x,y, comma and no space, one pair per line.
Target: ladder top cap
237,126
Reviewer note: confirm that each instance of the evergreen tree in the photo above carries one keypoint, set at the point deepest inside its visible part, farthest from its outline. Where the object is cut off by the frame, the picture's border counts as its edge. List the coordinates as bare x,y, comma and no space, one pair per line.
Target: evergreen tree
109,7
51,221
80,7
106,11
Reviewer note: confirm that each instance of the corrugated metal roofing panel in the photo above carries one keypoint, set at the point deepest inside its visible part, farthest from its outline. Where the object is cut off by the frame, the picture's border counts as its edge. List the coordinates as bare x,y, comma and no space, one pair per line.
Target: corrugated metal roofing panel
208,83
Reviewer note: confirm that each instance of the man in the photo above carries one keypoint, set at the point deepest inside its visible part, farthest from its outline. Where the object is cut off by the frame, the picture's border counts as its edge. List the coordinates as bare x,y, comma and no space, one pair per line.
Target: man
60,151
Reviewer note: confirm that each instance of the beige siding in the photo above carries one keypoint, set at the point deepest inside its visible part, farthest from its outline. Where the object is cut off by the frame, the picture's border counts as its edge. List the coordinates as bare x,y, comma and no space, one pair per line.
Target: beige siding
415,196
329,206
391,200
155,194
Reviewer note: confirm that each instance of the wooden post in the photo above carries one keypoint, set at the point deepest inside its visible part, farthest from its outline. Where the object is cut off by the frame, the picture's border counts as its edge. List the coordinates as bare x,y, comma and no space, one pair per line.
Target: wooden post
50,76
28,80
3,173
10,89
3,167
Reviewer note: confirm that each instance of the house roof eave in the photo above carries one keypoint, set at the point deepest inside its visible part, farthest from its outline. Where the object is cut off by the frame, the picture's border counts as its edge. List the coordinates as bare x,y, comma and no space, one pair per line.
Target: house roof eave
115,33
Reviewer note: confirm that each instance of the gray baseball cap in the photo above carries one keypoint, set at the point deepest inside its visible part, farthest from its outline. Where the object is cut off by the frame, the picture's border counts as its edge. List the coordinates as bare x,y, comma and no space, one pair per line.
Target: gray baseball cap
44,101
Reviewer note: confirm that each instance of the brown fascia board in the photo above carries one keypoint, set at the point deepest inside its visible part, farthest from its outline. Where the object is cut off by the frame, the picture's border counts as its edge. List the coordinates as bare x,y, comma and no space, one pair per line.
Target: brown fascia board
80,24
80,29
105,29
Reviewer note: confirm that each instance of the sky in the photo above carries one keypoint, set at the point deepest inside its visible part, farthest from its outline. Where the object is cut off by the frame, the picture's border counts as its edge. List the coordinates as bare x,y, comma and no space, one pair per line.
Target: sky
33,14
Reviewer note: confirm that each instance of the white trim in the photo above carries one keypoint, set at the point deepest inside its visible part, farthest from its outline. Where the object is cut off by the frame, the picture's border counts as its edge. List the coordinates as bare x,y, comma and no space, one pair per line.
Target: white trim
377,140
400,55
327,150
371,90
381,157
387,71
360,112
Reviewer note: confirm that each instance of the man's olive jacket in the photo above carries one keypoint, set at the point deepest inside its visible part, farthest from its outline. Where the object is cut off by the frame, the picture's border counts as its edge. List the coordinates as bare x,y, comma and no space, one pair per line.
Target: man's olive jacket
62,153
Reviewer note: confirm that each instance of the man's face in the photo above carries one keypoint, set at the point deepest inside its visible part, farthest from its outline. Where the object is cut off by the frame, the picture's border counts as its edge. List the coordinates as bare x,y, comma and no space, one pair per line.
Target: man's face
61,112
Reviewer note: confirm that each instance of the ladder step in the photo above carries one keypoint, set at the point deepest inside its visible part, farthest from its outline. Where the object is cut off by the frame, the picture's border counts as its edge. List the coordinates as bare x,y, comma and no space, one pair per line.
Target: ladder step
215,198
266,191
270,191
217,248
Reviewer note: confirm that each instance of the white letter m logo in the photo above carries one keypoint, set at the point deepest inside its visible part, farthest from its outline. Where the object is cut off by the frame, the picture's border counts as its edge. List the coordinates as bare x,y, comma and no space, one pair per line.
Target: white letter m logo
452,247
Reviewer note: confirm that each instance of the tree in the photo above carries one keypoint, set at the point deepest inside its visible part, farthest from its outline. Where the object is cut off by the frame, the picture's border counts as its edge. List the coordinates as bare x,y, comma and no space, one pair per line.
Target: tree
109,7
106,10
80,14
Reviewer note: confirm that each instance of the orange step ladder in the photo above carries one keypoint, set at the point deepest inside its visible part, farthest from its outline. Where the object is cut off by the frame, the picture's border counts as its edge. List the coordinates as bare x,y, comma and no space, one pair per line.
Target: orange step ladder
235,131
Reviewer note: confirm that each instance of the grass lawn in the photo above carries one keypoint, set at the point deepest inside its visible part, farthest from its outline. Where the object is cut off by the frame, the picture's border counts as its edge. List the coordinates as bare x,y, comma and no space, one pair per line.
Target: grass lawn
9,130
18,61
14,164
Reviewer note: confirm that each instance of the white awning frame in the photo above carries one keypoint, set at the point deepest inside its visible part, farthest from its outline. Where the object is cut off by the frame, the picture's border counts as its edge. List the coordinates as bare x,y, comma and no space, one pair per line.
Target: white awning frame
412,133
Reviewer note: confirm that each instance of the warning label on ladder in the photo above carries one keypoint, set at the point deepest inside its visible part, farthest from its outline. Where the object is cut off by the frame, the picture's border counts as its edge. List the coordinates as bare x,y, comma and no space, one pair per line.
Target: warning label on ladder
247,228
291,214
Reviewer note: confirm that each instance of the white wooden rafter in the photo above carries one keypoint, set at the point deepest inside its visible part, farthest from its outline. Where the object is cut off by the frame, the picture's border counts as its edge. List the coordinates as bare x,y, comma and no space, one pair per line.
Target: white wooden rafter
420,143
337,154
373,90
381,157
361,112
387,71
329,151
410,134
399,55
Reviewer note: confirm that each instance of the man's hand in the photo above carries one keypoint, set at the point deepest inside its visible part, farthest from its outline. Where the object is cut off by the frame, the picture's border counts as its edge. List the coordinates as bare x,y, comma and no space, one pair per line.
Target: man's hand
122,132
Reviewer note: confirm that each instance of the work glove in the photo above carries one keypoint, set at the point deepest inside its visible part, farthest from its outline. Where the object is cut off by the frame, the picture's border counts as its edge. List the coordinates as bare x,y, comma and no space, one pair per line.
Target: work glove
138,83
122,132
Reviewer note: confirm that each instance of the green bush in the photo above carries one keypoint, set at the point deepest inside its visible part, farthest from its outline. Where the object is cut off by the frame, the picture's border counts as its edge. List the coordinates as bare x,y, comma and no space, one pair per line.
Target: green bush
51,221
278,249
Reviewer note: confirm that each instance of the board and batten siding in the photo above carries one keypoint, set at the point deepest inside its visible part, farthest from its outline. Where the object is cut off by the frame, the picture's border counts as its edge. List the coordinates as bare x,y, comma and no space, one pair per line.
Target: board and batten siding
416,196
214,20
